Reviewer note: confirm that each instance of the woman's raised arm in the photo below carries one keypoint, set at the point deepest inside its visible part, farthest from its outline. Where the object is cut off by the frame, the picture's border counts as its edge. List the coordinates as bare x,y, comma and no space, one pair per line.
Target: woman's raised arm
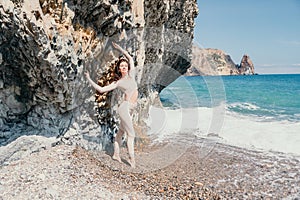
123,51
100,89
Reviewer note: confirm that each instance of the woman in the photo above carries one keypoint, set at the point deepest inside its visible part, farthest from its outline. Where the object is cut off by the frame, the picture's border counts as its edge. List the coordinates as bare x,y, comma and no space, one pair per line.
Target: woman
126,82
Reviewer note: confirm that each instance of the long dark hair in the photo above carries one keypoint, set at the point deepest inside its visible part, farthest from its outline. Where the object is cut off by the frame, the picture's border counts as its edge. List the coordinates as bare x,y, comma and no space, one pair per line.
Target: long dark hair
118,74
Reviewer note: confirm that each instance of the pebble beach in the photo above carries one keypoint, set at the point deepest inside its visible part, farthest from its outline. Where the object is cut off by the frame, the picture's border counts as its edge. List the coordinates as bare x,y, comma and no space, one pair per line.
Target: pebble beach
226,172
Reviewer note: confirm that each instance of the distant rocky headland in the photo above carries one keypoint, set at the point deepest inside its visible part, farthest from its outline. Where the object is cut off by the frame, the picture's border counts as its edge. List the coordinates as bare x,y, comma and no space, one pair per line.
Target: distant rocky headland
217,62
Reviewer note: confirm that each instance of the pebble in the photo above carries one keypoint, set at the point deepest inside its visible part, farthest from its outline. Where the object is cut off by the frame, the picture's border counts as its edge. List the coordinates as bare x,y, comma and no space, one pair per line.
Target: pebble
66,172
199,184
42,177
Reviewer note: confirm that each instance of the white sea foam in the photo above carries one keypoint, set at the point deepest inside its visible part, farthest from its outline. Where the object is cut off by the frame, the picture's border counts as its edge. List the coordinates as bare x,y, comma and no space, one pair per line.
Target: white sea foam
234,129
248,106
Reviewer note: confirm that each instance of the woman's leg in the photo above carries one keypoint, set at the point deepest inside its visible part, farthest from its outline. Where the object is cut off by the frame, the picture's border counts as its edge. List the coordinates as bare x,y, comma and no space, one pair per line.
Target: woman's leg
118,144
126,121
130,146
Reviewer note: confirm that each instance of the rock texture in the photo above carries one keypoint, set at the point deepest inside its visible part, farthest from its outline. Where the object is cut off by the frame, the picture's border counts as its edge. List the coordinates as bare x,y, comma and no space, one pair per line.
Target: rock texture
46,45
246,67
217,62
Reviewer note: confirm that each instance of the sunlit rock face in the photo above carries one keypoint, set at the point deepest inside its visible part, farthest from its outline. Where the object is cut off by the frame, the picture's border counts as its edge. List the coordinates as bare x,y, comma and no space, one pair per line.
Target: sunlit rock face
215,62
211,62
246,66
46,45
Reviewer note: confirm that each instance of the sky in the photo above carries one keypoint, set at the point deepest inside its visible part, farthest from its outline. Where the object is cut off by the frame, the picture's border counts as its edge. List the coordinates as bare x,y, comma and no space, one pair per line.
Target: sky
267,30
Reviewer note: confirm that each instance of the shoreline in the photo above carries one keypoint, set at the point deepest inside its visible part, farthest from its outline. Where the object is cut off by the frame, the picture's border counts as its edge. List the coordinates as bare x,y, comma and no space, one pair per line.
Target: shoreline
230,172
197,171
226,127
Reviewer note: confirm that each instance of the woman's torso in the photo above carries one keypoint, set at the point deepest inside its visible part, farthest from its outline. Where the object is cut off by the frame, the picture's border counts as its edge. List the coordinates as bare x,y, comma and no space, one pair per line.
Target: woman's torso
129,87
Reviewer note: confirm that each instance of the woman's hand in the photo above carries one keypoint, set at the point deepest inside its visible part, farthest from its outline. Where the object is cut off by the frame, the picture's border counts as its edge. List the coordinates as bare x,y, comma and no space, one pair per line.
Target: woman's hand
116,46
87,74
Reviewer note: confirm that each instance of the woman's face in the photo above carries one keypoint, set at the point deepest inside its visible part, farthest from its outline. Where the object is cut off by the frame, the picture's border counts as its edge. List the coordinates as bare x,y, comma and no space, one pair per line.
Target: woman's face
123,67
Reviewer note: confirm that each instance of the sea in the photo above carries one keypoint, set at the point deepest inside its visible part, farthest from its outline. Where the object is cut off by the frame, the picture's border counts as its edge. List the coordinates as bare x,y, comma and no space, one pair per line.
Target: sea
252,111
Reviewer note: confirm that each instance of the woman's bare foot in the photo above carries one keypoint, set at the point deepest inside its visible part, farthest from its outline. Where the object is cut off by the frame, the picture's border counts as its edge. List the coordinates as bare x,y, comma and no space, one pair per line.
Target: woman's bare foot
131,161
117,158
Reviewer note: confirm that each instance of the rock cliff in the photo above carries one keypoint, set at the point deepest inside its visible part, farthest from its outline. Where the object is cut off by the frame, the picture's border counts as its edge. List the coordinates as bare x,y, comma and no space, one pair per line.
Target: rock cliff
246,66
46,45
217,62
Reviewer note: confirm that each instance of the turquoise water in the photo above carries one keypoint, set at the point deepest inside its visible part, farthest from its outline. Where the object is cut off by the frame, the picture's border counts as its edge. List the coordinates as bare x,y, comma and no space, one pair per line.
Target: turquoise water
265,97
